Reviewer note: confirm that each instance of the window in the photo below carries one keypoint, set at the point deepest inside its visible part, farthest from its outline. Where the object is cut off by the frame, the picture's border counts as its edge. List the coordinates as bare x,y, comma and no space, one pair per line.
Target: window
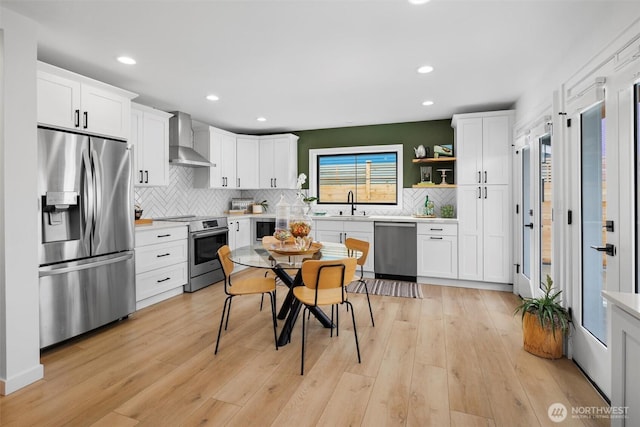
373,174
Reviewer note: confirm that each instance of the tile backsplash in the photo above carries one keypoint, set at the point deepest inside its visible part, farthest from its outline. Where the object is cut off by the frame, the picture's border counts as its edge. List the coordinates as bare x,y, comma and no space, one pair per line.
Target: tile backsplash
180,198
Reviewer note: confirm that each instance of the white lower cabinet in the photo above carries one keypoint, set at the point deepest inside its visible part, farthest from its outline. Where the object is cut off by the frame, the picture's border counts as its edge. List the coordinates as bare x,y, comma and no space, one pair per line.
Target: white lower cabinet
484,233
438,250
625,377
339,231
161,263
239,232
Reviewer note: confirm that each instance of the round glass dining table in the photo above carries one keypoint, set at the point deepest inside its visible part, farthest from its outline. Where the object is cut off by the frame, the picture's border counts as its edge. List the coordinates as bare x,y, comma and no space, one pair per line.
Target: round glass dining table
284,263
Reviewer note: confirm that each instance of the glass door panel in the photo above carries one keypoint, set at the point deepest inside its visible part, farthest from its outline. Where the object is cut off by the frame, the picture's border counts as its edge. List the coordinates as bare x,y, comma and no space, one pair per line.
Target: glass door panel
593,209
527,228
545,208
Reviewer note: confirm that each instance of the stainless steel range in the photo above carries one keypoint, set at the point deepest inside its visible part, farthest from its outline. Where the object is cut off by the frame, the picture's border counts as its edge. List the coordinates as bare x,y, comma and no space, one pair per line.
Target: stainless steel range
206,236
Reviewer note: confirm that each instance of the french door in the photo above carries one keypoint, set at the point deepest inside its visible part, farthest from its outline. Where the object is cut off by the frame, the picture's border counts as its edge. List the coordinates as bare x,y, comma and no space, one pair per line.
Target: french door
595,212
534,225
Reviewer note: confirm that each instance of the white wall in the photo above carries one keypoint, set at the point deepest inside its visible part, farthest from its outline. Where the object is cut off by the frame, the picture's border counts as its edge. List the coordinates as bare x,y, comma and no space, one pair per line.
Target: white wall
19,305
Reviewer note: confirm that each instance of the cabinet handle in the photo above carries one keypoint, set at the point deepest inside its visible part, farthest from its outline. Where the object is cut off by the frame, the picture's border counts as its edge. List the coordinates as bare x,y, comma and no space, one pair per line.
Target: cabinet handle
159,236
146,177
485,192
275,182
485,177
86,119
435,229
163,280
162,255
77,118
479,193
237,226
224,181
141,176
479,177
435,238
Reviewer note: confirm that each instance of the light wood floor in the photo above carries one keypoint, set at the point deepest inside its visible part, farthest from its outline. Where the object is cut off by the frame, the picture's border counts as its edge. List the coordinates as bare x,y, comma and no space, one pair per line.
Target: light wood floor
453,358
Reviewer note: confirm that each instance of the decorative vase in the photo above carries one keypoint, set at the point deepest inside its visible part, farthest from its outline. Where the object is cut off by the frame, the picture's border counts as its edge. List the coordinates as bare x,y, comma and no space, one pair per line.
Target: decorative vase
540,341
283,211
300,222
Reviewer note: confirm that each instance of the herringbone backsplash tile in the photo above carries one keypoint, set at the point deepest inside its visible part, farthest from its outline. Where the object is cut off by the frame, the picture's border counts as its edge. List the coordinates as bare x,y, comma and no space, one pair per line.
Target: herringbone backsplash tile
180,198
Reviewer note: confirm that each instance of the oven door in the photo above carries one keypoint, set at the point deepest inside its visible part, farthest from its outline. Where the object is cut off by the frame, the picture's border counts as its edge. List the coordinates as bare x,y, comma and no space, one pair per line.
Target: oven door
203,250
264,228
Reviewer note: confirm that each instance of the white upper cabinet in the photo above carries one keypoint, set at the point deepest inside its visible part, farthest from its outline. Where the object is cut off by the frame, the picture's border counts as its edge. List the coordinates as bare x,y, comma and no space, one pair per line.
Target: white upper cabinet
219,147
247,162
150,137
482,144
71,101
278,161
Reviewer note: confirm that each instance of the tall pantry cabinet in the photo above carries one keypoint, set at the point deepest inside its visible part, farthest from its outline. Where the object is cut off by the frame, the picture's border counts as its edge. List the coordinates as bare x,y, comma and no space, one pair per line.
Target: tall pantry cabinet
483,153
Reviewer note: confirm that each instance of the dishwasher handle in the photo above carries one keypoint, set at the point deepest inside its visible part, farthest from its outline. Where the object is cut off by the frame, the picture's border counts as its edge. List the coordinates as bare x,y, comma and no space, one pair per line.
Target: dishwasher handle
395,224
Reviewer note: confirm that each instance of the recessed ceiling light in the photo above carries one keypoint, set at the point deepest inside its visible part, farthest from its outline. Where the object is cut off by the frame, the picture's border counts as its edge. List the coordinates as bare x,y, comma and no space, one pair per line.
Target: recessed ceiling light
425,69
427,103
126,60
418,1
261,119
212,97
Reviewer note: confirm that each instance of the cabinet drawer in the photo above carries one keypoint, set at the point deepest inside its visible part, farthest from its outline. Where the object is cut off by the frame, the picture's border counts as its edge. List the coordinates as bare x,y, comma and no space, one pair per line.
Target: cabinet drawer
438,229
151,257
328,225
160,235
161,280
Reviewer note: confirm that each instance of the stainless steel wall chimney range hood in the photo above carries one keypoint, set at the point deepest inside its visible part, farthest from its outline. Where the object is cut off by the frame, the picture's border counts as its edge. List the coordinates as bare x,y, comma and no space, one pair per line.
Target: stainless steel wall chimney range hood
181,150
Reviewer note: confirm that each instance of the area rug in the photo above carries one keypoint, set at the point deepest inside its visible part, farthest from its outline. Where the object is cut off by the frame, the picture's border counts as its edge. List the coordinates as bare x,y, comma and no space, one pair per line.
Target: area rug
387,288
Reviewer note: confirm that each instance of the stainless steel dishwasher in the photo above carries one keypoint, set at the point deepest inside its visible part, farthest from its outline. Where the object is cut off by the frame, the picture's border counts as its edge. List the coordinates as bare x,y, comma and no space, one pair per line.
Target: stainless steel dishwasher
396,251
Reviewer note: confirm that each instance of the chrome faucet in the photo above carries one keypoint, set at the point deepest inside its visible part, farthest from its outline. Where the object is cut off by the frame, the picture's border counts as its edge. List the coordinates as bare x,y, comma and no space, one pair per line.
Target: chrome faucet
350,198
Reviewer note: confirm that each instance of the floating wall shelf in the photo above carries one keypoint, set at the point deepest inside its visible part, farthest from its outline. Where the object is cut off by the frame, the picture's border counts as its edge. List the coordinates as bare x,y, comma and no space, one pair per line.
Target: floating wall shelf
434,160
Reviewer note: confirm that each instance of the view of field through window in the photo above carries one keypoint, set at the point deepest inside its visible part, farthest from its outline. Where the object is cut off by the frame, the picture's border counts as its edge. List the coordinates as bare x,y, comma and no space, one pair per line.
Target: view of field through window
372,177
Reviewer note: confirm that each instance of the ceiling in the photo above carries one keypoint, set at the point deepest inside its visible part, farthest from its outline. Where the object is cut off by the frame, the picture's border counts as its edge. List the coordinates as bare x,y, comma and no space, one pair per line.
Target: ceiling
313,64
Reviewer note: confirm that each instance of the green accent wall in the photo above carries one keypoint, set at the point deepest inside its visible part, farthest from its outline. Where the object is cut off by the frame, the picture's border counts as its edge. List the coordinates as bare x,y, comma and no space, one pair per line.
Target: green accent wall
410,135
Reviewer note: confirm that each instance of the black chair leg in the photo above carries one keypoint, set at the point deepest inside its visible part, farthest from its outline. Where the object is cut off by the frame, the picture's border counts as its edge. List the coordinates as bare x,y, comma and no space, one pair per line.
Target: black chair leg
261,301
331,328
303,336
368,301
228,312
355,333
272,297
224,309
337,322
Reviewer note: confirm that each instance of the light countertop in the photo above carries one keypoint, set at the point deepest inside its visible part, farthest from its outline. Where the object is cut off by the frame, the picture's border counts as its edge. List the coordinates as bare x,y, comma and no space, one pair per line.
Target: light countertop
156,225
626,301
386,218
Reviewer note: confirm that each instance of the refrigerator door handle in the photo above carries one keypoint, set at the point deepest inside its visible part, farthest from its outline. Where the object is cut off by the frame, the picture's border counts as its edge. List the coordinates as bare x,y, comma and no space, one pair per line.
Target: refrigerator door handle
81,265
88,195
97,188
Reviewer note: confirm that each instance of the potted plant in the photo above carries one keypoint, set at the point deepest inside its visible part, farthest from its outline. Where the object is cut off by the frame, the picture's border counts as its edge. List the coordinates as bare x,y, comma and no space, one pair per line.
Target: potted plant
258,208
544,323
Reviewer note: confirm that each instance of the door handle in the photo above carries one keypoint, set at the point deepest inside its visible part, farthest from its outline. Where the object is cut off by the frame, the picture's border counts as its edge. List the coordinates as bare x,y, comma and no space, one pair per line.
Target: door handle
141,176
530,225
146,177
609,249
86,120
275,182
77,122
485,192
485,177
479,192
479,176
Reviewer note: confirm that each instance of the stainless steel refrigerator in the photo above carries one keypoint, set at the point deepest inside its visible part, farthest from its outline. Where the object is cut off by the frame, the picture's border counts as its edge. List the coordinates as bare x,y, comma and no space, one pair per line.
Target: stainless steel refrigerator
87,275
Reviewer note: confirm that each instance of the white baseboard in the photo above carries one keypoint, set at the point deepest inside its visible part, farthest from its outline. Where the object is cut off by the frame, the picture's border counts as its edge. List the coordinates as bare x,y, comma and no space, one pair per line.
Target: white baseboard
21,380
491,286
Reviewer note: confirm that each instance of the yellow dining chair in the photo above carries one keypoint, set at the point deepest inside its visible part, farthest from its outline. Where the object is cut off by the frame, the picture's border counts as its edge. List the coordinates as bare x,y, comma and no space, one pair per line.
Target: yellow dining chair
324,284
250,286
363,247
